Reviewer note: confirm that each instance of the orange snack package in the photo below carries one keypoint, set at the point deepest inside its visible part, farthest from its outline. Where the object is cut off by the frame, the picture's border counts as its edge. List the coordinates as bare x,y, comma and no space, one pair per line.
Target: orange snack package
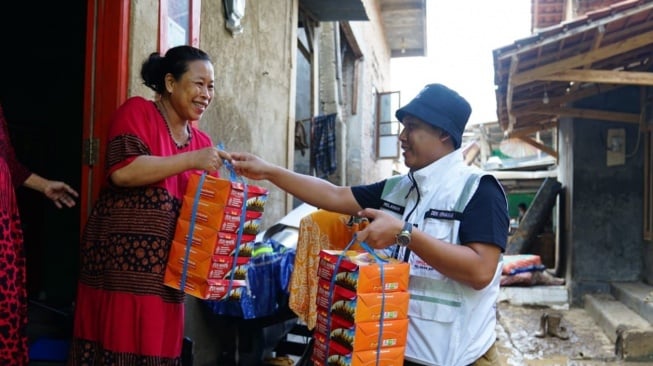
363,307
359,271
226,193
363,335
206,289
205,265
339,355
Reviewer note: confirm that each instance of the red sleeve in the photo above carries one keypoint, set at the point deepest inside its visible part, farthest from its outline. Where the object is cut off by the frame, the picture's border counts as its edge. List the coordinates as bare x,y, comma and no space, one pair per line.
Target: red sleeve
138,128
19,173
130,133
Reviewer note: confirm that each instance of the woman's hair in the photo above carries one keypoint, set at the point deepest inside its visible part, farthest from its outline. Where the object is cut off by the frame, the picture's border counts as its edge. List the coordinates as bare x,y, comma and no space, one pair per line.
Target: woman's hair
175,62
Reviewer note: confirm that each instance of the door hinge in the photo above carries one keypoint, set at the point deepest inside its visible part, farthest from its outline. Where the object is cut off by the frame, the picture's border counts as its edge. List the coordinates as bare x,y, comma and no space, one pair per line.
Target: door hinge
91,151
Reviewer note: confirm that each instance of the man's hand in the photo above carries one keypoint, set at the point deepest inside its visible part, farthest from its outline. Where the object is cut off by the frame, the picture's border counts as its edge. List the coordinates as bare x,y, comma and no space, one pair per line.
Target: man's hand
382,230
250,165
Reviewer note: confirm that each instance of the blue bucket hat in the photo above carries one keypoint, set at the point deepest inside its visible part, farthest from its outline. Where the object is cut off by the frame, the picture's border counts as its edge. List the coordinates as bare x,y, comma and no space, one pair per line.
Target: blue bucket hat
440,107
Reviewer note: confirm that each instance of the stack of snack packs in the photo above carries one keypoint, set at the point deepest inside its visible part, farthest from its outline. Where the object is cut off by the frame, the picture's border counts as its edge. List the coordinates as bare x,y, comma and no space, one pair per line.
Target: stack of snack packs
351,300
216,263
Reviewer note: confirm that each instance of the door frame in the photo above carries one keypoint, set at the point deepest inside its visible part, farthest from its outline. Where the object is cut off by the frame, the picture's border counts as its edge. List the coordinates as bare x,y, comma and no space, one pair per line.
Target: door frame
105,88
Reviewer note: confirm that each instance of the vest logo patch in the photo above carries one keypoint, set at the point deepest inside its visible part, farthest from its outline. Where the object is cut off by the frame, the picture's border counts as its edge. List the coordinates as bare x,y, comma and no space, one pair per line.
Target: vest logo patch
443,215
393,207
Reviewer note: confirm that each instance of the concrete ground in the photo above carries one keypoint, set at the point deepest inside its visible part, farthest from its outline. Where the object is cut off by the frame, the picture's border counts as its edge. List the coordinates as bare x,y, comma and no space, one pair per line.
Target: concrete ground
587,344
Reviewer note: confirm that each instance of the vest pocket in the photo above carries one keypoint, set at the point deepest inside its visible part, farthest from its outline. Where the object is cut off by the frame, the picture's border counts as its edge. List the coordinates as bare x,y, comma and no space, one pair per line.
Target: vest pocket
431,299
439,228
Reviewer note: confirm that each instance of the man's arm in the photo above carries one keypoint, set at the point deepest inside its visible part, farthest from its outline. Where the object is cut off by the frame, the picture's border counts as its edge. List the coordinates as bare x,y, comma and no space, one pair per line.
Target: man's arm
312,190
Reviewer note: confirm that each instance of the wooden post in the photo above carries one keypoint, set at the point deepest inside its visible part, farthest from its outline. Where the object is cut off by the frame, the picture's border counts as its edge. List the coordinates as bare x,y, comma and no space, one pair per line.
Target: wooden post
535,217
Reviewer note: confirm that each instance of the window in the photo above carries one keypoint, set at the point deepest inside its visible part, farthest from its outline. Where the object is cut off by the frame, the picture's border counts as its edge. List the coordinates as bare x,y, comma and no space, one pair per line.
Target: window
387,126
179,23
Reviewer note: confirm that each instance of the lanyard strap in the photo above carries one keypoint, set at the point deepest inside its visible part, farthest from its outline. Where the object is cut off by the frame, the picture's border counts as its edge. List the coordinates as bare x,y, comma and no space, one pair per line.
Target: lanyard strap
234,177
191,228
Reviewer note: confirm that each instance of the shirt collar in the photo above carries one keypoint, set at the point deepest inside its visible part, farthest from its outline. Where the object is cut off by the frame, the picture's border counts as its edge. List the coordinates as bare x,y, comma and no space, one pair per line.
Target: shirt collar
437,168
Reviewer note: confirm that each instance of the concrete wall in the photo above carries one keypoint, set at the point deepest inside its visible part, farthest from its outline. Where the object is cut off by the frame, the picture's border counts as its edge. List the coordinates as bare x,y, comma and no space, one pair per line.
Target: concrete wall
605,226
566,178
253,111
254,107
143,40
355,129
374,77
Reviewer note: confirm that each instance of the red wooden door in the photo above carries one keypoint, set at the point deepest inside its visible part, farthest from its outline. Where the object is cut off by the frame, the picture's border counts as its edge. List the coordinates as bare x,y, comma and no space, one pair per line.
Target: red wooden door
105,88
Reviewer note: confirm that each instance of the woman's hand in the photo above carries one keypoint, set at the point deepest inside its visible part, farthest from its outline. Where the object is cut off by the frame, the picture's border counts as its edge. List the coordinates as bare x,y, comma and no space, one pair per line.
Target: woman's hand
60,193
210,158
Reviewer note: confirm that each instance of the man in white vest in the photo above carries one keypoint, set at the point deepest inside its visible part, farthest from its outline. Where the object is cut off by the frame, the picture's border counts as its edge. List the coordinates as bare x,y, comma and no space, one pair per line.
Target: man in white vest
447,219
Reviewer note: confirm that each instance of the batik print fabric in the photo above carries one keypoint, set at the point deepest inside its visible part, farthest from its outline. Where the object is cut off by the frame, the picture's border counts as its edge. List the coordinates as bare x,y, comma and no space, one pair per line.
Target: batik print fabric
317,231
13,290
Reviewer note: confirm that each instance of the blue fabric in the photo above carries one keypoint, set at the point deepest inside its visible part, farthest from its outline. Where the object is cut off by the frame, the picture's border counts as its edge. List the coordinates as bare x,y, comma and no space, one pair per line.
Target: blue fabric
323,145
268,278
287,267
49,349
263,279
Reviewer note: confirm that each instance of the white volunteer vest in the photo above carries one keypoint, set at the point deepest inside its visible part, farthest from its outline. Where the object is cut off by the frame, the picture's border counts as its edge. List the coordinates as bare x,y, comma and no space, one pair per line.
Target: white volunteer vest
450,323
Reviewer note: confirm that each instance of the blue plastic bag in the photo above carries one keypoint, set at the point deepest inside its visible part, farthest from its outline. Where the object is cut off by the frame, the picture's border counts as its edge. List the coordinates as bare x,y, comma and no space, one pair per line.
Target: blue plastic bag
268,278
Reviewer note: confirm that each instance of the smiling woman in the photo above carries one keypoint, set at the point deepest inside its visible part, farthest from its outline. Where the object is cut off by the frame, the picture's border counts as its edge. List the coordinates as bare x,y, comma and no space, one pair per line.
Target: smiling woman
152,149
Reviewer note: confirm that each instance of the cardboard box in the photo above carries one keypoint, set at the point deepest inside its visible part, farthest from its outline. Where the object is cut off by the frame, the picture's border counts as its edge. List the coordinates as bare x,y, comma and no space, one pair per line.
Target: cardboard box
204,237
206,289
362,307
221,207
205,265
338,355
226,193
208,213
359,271
363,335
232,220
221,218
222,267
226,244
210,240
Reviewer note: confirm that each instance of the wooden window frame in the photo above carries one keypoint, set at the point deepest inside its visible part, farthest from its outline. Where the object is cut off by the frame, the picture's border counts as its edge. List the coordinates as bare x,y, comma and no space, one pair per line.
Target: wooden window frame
194,12
387,129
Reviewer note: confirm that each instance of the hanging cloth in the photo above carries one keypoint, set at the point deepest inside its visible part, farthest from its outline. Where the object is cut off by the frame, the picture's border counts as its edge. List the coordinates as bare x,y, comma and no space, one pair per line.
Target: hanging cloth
323,145
317,231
